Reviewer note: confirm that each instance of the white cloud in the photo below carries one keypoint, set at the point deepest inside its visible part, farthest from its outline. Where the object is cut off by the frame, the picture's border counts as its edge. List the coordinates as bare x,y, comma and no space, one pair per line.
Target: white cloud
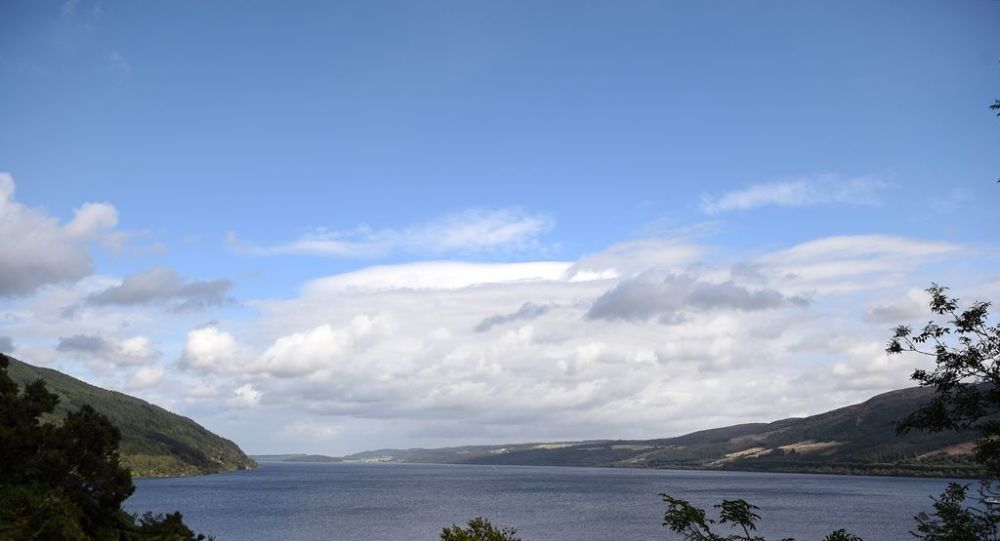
631,258
867,367
145,377
210,349
36,250
900,310
203,389
312,430
820,190
849,263
136,350
245,396
471,231
453,349
443,352
438,275
305,353
92,219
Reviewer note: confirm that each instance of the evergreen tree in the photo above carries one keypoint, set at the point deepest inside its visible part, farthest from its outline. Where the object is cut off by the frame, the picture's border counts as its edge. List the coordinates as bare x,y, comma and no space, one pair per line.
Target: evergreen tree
65,481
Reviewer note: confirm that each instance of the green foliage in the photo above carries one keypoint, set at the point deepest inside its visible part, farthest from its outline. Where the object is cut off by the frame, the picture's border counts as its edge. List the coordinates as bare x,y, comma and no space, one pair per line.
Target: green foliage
966,376
169,527
842,535
966,383
154,441
953,520
479,529
65,481
693,523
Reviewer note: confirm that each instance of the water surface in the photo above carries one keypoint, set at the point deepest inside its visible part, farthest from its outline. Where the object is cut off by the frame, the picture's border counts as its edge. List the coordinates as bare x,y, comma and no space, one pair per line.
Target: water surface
404,502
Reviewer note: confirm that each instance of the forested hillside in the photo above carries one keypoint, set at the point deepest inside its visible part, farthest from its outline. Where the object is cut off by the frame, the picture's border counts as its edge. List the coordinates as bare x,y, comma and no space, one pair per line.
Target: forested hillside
857,439
155,442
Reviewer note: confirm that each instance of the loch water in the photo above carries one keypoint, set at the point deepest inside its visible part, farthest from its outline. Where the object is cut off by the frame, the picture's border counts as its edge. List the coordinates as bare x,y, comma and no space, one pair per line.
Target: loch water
412,502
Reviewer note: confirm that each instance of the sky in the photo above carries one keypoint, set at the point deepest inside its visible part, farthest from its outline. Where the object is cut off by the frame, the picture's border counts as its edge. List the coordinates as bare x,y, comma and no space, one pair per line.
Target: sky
327,227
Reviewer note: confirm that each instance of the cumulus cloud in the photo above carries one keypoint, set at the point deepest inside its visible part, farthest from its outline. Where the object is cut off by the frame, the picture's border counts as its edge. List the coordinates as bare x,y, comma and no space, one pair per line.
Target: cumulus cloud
92,219
164,285
6,344
575,349
36,250
528,310
307,352
136,350
245,396
146,377
442,352
212,350
297,354
821,190
666,296
471,231
392,350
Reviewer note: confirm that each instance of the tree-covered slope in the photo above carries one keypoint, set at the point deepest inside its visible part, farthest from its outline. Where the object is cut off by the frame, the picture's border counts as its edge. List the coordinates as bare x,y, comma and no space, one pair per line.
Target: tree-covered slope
154,441
859,439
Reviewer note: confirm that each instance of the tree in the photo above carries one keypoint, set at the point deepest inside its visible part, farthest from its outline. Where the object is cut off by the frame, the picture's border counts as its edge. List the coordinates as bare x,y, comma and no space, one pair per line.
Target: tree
966,374
65,481
966,381
693,523
479,529
952,520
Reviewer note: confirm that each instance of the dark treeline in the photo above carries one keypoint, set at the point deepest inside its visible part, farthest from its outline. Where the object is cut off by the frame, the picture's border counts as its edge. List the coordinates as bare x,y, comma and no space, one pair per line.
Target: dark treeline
64,481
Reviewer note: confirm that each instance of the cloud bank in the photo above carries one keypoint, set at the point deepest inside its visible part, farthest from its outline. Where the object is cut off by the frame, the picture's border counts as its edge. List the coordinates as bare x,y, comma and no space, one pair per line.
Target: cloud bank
645,338
571,349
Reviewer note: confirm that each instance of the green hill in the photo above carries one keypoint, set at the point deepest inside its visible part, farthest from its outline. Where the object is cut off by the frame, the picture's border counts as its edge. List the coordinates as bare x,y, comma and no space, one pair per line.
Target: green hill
857,439
155,442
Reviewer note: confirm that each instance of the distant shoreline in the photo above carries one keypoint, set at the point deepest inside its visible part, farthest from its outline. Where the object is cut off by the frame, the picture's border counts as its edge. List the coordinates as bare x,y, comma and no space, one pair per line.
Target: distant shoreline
956,471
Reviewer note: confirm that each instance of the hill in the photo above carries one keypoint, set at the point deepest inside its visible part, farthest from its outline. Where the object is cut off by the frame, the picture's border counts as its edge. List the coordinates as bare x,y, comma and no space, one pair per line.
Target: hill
857,439
155,442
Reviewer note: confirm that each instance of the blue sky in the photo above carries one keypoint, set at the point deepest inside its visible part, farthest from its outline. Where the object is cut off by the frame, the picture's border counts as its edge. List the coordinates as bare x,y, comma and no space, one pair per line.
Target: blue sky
243,151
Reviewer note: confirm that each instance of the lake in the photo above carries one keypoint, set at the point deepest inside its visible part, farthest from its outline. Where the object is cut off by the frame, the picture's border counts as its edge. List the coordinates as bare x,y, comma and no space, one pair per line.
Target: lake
404,502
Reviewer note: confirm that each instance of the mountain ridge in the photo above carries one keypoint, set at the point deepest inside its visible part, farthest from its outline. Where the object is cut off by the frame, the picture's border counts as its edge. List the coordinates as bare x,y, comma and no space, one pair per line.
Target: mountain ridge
854,439
155,442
